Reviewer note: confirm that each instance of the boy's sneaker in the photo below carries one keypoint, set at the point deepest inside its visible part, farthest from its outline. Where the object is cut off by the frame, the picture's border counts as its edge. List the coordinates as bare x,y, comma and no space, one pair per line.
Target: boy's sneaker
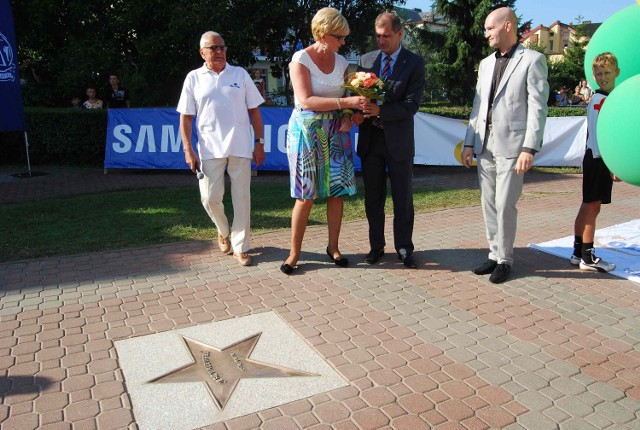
598,265
574,260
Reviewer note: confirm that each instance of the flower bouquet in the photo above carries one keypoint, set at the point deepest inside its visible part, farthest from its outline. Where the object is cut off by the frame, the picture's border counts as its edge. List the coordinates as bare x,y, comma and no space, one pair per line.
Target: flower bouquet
365,84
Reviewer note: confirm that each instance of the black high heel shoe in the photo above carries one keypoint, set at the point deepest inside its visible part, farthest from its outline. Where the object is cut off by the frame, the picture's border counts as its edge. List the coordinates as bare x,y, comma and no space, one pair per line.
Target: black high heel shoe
287,269
340,262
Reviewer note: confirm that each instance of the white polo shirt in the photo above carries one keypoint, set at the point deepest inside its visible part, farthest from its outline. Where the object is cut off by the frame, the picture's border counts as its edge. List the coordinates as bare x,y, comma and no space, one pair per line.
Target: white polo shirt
220,102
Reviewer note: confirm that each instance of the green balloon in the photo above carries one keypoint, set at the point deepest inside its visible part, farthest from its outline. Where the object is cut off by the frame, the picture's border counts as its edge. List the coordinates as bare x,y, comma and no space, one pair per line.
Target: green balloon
619,131
618,35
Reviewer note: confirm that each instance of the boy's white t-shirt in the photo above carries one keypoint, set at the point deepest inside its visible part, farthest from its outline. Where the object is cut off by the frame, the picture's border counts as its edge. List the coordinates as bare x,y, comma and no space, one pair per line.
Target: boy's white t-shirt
593,111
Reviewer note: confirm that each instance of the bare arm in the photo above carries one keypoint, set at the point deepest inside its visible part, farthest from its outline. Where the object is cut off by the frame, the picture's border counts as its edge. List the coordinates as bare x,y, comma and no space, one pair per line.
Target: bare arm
186,128
256,123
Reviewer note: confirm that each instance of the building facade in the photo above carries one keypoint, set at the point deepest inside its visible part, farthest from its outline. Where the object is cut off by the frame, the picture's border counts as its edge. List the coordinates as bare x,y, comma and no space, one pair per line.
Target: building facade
556,38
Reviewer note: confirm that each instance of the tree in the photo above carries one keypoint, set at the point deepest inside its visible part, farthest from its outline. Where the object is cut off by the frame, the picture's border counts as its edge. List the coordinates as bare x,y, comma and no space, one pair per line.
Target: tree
60,45
457,52
63,46
570,70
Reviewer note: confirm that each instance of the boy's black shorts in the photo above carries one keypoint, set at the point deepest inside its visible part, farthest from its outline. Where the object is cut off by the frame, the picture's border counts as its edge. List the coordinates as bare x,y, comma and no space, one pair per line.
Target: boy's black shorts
596,180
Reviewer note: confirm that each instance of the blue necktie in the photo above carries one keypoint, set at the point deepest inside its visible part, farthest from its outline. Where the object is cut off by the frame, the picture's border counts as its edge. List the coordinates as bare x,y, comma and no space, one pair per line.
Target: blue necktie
386,70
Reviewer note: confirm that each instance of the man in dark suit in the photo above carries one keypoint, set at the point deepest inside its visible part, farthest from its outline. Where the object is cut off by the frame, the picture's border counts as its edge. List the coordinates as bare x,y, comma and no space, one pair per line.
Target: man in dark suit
505,131
386,140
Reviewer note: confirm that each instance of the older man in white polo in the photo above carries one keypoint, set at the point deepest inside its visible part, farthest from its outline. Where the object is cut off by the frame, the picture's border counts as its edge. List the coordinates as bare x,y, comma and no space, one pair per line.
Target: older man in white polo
225,101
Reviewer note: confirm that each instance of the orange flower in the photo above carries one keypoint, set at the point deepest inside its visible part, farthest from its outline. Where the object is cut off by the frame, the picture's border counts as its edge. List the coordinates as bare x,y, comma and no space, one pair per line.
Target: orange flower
366,85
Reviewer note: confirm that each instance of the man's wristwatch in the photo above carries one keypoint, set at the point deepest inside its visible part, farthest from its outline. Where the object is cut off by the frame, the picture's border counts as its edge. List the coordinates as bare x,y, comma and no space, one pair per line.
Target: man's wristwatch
260,141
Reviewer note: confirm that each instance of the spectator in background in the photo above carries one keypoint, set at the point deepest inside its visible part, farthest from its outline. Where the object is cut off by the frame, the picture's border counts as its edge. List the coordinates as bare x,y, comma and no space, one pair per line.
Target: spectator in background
76,103
261,84
576,98
267,100
585,91
561,97
92,101
117,97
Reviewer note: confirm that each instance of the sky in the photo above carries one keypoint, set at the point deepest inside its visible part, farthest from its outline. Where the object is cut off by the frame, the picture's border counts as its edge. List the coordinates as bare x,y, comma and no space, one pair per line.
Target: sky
546,12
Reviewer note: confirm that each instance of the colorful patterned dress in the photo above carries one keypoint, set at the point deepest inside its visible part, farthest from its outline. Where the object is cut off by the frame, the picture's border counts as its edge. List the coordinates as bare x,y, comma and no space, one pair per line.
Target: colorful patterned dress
320,157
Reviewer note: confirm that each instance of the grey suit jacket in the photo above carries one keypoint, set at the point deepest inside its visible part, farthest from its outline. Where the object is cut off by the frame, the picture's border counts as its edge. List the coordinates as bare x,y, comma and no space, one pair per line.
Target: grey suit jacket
519,107
401,102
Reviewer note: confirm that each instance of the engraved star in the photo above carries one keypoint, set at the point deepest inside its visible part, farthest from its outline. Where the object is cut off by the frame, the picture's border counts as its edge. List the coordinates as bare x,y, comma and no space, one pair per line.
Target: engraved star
222,369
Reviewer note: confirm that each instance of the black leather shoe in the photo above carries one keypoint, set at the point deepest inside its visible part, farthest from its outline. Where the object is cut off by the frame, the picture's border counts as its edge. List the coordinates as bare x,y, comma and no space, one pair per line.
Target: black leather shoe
374,256
340,262
500,274
486,267
287,269
407,259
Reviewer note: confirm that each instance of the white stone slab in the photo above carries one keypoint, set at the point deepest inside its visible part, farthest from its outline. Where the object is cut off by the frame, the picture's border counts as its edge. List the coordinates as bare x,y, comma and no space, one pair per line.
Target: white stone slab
189,405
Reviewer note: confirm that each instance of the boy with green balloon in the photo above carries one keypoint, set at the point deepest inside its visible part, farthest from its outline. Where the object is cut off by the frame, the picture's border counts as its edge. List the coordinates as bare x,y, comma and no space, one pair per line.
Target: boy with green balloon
597,180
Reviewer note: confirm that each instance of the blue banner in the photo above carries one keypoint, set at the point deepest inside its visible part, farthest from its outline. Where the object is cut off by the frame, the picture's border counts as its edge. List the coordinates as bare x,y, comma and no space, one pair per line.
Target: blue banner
150,139
11,115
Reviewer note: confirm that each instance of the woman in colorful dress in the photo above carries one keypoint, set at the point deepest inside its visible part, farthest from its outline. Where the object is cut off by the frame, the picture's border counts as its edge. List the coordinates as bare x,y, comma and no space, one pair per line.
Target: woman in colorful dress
319,147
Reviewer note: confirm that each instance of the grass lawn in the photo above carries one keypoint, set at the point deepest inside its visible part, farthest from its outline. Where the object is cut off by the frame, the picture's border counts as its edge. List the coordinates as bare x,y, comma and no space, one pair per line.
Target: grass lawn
126,219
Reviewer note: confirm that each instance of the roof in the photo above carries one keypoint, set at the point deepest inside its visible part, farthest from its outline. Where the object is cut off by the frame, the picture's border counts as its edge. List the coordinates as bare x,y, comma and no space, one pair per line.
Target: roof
591,27
408,16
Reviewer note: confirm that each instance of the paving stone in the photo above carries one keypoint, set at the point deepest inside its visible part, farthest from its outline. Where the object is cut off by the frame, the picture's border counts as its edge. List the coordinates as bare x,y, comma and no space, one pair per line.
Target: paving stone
574,406
536,420
568,386
615,413
534,400
577,424
494,376
562,368
557,415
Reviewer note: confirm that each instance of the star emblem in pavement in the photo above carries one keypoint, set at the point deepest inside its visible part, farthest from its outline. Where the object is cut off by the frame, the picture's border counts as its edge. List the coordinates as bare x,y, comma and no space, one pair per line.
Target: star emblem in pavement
222,369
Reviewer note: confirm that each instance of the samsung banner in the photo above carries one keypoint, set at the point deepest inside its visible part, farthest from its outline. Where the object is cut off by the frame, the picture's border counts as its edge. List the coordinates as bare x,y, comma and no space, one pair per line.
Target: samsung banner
11,115
150,139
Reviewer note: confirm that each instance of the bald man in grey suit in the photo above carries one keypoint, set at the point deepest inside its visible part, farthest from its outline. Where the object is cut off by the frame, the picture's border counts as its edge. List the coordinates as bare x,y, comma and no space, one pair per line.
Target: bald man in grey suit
505,131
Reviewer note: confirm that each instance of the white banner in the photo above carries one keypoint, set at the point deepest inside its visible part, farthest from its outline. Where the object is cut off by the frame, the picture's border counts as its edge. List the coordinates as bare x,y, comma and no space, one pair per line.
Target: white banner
439,141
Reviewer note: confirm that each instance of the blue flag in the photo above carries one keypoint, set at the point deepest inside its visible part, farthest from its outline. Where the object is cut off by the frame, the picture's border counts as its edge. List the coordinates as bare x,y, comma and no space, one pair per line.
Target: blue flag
11,115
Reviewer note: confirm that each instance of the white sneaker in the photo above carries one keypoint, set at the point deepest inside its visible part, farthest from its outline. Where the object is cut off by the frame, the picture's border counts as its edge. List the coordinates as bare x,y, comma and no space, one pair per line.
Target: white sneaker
575,261
598,265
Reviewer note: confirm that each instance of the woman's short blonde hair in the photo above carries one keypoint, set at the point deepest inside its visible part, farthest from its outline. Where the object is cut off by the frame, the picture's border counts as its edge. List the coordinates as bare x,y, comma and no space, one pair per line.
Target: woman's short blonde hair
329,21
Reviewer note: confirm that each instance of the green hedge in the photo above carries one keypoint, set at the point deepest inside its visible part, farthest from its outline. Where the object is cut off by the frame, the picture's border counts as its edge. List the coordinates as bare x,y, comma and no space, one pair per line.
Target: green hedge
58,136
463,112
77,137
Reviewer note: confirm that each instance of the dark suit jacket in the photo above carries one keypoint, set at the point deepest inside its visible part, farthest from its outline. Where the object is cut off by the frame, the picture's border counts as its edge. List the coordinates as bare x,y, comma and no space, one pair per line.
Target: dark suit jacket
401,102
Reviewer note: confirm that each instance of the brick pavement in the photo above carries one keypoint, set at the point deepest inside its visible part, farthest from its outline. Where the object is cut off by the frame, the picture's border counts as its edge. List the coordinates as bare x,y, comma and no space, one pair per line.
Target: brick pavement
437,347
